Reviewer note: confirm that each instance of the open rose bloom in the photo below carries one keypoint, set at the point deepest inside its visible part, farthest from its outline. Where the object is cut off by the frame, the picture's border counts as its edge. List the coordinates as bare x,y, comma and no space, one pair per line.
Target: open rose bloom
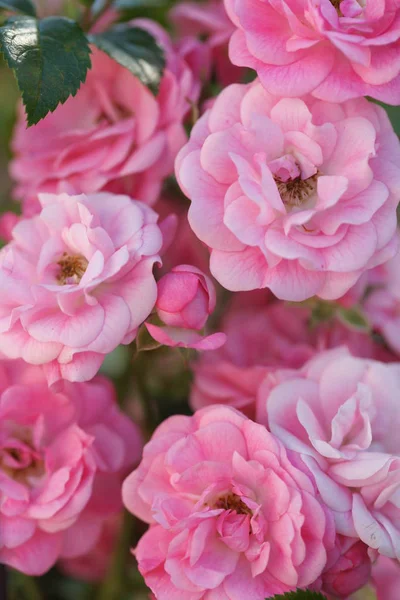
79,282
334,49
62,457
296,195
229,512
340,414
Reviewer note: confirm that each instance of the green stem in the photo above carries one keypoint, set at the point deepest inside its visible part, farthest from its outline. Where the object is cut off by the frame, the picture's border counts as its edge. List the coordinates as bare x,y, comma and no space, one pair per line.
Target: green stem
113,586
26,587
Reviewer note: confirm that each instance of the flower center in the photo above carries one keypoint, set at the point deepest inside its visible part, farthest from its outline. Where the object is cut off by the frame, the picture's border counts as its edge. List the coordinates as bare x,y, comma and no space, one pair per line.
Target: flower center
20,461
72,268
295,192
233,502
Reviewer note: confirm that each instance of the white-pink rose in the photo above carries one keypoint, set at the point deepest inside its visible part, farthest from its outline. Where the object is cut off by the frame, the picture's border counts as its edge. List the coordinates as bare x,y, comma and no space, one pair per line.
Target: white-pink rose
78,281
340,415
296,195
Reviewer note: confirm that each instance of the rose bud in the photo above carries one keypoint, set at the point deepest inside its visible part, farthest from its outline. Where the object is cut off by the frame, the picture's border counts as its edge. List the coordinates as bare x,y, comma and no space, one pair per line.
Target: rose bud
186,297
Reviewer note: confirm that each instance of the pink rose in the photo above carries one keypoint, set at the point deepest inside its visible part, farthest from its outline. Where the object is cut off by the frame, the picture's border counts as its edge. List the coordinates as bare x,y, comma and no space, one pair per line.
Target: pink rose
209,20
79,282
386,579
350,571
340,415
186,297
62,456
298,196
229,512
113,135
335,50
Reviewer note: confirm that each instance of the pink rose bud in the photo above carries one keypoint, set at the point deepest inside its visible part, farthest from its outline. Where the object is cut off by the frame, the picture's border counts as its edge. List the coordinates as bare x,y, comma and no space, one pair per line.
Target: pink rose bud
351,571
185,297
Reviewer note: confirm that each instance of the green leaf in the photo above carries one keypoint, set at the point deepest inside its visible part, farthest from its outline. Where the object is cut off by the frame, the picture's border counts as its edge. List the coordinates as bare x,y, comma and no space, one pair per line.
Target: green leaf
23,6
301,595
50,59
354,317
144,341
134,49
322,311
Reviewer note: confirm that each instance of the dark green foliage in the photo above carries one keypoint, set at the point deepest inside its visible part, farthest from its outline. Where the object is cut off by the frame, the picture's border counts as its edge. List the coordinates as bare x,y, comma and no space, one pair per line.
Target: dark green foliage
134,49
22,6
301,595
50,59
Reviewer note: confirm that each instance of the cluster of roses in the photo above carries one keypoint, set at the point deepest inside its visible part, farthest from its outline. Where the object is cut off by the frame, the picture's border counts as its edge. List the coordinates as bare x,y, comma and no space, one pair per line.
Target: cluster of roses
288,474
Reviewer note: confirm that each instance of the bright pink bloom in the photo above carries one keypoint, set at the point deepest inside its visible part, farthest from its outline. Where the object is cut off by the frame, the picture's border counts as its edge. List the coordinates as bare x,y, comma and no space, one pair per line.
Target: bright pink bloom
114,134
341,415
79,282
295,195
334,50
229,513
62,456
351,568
209,20
186,297
386,578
